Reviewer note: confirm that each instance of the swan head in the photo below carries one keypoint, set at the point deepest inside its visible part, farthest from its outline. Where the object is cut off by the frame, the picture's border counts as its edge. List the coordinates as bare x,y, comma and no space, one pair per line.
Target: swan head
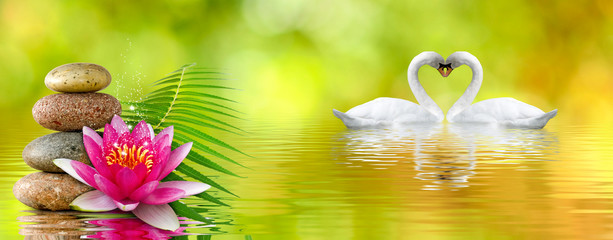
433,59
444,69
458,59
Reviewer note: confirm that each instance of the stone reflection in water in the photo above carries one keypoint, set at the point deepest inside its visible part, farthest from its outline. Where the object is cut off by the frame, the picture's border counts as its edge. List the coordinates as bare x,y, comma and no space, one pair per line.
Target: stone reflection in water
52,225
445,155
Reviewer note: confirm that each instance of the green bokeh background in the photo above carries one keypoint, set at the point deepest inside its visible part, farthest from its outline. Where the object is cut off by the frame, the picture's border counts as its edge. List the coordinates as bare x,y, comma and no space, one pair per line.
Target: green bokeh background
303,57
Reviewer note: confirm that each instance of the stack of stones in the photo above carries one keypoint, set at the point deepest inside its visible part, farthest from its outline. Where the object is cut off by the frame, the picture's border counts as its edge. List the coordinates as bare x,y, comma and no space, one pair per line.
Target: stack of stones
78,104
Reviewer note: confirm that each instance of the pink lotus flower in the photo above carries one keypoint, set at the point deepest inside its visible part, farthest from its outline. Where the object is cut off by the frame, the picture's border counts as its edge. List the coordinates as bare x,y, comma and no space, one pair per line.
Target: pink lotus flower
127,171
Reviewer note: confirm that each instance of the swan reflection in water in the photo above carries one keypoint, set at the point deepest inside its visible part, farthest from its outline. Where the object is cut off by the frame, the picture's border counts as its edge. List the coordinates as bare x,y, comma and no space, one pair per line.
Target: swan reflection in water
444,155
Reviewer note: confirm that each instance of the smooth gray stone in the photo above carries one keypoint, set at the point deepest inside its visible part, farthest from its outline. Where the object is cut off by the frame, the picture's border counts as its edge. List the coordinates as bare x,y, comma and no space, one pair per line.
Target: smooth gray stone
40,153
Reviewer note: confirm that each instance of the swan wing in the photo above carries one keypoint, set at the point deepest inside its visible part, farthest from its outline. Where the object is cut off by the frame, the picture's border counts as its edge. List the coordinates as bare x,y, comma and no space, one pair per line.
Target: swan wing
385,109
498,110
385,112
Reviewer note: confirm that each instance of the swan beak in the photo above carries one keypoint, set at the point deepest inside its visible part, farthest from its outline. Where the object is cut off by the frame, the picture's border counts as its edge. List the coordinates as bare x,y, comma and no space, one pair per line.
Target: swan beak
443,72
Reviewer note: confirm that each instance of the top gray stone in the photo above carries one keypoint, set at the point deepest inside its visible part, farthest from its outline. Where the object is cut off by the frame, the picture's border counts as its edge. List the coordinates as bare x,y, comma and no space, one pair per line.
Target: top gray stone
78,77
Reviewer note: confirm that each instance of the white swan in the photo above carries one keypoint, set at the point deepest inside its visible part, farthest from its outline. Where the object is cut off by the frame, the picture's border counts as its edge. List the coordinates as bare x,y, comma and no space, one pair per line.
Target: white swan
506,112
393,112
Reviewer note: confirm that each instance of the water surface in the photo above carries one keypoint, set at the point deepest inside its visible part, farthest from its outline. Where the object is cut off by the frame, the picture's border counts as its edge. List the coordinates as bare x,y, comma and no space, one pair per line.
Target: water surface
314,179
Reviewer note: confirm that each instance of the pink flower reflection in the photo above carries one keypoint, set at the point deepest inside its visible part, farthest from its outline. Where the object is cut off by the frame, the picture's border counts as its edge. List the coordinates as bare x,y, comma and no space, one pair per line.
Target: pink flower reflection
132,228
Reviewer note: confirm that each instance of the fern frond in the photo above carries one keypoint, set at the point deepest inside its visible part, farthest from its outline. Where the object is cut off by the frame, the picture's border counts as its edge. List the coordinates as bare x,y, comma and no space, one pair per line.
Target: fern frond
189,99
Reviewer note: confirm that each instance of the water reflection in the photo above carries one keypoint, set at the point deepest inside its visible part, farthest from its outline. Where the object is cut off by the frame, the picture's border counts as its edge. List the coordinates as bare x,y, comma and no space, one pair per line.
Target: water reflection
314,178
110,225
52,225
132,228
446,156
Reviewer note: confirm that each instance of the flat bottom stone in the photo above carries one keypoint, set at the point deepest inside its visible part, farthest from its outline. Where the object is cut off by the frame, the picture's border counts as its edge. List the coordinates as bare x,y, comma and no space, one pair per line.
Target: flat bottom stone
49,191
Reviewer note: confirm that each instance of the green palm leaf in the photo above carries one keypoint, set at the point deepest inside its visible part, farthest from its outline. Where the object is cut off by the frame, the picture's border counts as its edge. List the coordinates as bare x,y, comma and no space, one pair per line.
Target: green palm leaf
203,195
189,99
183,210
200,102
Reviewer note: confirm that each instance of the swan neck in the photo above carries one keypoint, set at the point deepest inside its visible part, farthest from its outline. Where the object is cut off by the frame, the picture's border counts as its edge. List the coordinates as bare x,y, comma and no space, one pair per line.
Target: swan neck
471,91
420,93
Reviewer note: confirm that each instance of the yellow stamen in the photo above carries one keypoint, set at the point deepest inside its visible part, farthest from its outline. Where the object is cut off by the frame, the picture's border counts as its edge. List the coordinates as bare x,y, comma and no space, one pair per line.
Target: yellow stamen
129,156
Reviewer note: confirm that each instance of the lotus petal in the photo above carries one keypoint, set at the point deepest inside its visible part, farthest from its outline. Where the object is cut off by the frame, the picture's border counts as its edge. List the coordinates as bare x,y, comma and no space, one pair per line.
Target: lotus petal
162,154
141,172
144,190
85,172
141,133
126,205
108,187
160,216
163,195
110,135
92,148
151,132
119,125
155,172
168,131
95,156
93,201
126,139
190,188
126,180
65,165
176,157
114,169
161,144
93,135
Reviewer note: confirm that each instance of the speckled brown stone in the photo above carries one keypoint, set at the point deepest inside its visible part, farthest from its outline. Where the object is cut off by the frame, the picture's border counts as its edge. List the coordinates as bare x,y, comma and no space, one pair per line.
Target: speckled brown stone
40,153
48,191
71,111
78,77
